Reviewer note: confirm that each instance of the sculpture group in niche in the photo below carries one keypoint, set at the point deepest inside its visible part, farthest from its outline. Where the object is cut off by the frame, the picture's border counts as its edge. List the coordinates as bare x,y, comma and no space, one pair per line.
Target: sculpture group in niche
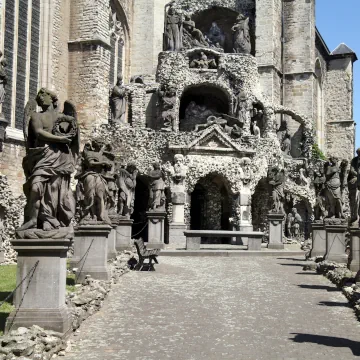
276,180
354,186
126,182
118,102
193,37
156,177
93,191
215,36
52,146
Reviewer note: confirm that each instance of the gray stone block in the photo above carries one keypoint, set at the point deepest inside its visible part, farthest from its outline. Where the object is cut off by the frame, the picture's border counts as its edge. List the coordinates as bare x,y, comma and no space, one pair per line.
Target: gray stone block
318,240
254,243
40,299
193,243
355,249
335,243
111,243
156,231
93,249
123,234
276,231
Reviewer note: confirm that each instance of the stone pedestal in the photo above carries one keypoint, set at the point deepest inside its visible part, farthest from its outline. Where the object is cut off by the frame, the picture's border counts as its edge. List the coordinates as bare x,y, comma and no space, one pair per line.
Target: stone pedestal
156,229
355,249
177,239
123,234
40,299
276,231
92,243
318,240
112,242
335,243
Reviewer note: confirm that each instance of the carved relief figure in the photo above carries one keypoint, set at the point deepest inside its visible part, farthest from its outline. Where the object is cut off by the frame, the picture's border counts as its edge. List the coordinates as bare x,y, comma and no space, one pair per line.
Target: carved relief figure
173,30
167,100
354,186
201,61
195,114
241,35
52,145
276,180
289,222
333,195
126,181
3,78
157,188
216,36
109,176
93,175
319,184
178,171
246,174
118,102
240,106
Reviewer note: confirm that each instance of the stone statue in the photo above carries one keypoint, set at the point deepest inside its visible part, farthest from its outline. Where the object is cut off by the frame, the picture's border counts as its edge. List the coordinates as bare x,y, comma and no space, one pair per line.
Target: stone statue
195,114
167,100
276,180
157,188
334,202
240,106
256,130
109,176
281,130
304,180
289,222
173,30
118,102
96,197
203,62
353,187
126,182
3,78
52,146
319,184
193,37
241,30
286,144
216,36
246,172
296,224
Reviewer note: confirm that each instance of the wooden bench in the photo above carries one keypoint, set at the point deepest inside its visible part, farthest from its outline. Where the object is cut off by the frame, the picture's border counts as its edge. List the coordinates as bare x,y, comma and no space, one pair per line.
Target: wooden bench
143,254
253,238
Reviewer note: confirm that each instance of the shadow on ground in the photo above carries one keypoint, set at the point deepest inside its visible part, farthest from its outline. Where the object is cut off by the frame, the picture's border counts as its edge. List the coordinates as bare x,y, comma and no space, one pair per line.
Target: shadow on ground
318,287
331,341
333,304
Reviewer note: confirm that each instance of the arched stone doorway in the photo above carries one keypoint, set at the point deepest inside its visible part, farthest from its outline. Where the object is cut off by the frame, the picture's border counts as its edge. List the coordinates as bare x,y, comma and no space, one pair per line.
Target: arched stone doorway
211,206
199,102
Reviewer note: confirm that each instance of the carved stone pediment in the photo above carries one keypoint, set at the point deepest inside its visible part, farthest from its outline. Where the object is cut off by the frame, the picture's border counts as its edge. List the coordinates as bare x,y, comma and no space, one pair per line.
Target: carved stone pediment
213,141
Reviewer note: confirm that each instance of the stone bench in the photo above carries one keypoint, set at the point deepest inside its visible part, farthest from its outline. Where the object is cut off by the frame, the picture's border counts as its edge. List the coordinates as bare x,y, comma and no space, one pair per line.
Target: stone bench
193,237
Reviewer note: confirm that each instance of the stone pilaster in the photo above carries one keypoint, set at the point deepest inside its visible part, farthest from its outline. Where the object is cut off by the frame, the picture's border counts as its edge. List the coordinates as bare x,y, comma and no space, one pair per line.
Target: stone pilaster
335,243
276,231
318,240
156,229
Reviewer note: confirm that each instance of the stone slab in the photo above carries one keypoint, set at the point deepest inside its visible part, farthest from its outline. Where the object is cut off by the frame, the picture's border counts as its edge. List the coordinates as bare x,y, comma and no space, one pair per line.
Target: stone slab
193,243
231,253
276,223
354,249
156,229
335,243
111,243
123,234
318,240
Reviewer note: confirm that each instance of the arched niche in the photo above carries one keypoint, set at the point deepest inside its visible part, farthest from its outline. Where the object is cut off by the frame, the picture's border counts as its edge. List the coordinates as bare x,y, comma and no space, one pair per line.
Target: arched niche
199,102
225,19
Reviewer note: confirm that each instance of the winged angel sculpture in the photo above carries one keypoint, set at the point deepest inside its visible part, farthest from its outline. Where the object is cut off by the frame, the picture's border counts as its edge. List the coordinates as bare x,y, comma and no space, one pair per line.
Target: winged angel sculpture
52,146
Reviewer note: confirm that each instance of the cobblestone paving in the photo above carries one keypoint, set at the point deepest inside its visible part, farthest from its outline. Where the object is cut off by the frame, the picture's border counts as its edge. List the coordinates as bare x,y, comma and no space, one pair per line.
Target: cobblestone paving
221,308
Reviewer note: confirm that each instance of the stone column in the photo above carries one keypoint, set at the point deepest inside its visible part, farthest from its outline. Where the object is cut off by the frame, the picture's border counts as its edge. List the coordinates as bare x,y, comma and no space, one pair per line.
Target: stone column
177,238
156,230
276,231
335,243
318,247
92,243
123,234
355,249
40,298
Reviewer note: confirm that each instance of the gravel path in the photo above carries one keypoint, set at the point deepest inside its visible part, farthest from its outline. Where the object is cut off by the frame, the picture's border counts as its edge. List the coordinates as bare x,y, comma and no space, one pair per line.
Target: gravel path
221,308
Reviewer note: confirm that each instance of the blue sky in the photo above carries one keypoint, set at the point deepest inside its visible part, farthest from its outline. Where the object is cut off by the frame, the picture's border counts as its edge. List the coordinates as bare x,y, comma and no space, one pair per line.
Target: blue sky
339,21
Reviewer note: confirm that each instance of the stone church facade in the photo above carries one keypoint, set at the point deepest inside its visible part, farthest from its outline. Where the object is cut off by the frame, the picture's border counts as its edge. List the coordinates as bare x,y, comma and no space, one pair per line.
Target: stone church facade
79,48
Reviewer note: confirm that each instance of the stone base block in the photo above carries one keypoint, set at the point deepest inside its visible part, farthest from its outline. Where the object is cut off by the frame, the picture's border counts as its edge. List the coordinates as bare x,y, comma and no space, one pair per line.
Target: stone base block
111,243
41,284
254,244
355,249
123,234
92,241
193,243
51,319
335,243
177,239
276,246
318,240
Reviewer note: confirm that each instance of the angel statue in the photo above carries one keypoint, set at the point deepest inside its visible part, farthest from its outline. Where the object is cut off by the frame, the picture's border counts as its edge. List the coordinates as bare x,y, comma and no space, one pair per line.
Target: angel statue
52,146
126,182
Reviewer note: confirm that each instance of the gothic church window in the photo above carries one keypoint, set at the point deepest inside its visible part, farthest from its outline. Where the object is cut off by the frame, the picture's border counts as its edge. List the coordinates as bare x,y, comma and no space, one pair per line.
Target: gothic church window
20,22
